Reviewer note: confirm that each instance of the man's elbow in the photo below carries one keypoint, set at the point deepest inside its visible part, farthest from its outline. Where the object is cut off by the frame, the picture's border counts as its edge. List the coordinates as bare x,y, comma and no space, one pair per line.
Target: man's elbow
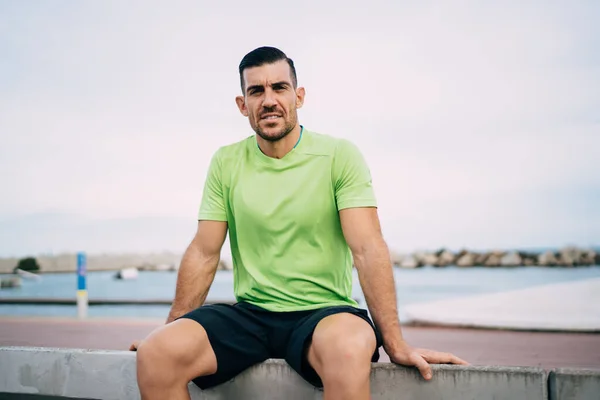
203,257
369,251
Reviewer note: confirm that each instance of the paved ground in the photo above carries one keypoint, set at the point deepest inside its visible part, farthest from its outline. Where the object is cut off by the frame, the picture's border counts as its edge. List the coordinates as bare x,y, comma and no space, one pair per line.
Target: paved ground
478,346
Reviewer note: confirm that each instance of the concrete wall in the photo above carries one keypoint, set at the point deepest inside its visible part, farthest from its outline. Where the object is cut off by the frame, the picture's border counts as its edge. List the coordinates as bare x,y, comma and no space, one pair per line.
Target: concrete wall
25,396
52,374
111,375
572,384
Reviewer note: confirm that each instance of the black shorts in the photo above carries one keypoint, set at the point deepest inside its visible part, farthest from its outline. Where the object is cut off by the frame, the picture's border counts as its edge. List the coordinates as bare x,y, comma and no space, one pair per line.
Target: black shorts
243,335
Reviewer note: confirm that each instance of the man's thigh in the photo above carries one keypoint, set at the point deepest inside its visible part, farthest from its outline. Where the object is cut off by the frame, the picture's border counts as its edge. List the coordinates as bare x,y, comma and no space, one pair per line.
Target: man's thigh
236,336
301,338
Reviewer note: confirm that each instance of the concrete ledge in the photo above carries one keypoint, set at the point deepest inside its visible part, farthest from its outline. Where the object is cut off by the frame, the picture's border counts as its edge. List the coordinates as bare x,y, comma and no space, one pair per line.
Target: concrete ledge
571,384
110,375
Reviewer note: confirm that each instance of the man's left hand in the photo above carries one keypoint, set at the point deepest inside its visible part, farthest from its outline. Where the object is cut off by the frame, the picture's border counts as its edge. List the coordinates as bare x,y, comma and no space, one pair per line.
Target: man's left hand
421,358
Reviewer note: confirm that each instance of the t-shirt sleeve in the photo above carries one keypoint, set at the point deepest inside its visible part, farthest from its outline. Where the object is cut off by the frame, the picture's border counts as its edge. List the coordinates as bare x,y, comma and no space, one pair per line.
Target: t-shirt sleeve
352,178
212,206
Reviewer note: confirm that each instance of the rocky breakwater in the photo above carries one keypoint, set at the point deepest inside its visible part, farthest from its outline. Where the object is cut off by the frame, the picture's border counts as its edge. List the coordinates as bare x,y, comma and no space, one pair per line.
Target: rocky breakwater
565,257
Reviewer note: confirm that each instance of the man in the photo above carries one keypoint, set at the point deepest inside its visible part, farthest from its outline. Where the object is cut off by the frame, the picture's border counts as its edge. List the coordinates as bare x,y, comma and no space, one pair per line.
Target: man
300,209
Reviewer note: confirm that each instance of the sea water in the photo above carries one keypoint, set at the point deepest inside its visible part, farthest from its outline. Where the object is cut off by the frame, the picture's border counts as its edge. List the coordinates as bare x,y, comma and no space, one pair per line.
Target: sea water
412,286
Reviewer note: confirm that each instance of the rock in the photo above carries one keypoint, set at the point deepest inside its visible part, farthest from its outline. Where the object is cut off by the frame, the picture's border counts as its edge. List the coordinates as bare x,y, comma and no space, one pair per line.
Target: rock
528,259
480,259
409,262
529,262
461,253
547,259
588,257
444,258
466,259
396,258
426,258
565,260
494,259
573,256
512,259
224,266
569,257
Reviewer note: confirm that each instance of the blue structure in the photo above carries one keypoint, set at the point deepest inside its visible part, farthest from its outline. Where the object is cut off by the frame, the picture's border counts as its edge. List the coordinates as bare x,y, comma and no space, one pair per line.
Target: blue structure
82,296
81,271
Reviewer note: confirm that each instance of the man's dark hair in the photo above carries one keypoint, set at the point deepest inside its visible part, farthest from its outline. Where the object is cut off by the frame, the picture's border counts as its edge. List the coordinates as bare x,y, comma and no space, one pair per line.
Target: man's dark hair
266,55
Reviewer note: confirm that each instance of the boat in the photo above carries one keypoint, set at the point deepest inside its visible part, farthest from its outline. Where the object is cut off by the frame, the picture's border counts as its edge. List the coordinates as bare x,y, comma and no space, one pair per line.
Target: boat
28,275
10,282
127,274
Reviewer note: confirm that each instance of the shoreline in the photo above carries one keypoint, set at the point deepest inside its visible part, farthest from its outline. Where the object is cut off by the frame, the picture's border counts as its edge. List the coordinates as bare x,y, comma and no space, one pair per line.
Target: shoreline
395,266
567,257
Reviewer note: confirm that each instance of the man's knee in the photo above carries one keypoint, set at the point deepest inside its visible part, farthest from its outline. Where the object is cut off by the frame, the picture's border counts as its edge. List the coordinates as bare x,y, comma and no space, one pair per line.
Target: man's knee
341,342
180,350
154,351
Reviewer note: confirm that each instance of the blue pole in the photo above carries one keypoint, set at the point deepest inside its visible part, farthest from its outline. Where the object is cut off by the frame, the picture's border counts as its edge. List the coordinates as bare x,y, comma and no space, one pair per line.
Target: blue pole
82,296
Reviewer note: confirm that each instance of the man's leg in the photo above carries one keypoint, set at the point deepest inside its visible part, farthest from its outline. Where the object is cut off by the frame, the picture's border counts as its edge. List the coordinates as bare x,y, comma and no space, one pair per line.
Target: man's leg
170,357
341,352
201,346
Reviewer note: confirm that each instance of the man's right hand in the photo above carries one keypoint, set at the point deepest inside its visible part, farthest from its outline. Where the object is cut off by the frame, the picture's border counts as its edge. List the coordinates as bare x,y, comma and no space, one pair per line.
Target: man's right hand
422,358
134,346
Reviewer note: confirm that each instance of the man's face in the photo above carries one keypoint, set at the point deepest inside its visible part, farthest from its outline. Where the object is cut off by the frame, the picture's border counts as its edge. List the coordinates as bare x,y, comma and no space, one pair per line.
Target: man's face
270,100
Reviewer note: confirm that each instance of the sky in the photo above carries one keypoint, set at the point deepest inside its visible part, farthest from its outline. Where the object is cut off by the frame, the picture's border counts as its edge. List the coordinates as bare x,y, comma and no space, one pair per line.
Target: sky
480,120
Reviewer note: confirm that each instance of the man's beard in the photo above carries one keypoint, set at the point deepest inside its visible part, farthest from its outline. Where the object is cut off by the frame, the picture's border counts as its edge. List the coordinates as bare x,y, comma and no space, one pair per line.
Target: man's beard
287,128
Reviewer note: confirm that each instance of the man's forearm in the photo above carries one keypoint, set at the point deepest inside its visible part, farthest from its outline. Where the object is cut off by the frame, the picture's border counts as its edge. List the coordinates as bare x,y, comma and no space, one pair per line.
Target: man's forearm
195,276
377,282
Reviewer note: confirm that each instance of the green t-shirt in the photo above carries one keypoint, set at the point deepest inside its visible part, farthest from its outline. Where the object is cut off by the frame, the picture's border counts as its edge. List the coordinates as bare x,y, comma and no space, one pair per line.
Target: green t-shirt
287,245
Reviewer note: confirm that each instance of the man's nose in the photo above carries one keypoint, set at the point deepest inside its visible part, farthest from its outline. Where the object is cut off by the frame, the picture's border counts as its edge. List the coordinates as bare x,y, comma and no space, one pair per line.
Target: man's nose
269,99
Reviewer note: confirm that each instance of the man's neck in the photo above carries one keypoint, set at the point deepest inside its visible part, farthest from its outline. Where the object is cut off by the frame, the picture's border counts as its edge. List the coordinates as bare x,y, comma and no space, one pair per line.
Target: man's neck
279,148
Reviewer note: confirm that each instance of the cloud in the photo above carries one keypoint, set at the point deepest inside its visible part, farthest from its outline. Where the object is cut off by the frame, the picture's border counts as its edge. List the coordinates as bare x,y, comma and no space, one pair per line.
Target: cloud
466,111
56,233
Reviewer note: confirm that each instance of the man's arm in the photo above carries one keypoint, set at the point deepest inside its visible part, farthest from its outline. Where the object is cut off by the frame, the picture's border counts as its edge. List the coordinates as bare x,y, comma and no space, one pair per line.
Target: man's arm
362,231
198,267
372,260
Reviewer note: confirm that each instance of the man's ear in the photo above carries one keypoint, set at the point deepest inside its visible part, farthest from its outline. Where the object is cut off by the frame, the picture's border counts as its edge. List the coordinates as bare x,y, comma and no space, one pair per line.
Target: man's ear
300,93
241,103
